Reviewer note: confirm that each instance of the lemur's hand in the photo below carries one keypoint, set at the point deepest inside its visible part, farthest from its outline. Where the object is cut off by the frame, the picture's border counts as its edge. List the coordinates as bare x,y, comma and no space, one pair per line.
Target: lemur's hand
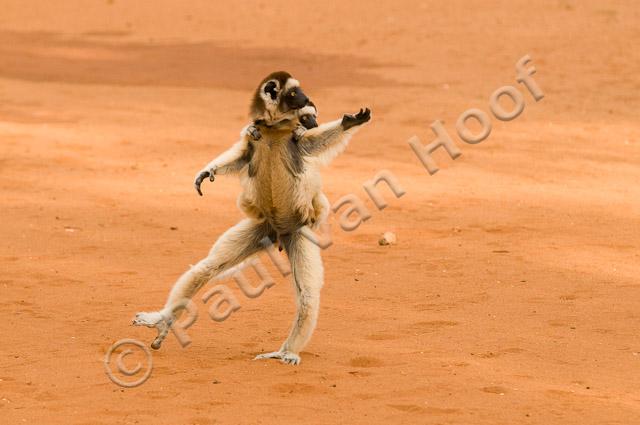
298,132
349,121
254,132
200,178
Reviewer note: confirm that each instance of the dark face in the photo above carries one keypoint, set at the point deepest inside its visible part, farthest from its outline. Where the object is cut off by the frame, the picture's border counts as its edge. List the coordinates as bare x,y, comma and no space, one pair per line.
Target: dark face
308,121
295,98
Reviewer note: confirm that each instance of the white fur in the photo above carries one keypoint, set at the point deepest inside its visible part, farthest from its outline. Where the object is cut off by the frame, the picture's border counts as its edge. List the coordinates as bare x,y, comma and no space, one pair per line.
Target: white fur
222,163
332,139
291,83
271,105
307,110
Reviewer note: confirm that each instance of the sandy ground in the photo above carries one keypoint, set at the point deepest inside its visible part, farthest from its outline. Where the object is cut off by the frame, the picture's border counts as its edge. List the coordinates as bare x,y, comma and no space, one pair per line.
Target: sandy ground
510,298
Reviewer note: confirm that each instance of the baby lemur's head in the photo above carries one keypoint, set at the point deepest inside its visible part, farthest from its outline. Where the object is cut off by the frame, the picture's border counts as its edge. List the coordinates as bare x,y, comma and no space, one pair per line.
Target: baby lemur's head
277,98
308,116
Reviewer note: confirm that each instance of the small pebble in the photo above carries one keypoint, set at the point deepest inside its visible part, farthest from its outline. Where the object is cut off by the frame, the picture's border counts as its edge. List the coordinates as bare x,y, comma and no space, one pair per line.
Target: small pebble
388,238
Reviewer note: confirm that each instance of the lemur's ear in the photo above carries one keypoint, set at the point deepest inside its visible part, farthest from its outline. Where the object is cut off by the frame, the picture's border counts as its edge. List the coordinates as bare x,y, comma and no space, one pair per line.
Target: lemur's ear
271,88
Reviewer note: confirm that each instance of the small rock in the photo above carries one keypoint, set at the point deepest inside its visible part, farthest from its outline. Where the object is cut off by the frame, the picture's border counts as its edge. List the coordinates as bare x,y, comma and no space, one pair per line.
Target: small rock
388,238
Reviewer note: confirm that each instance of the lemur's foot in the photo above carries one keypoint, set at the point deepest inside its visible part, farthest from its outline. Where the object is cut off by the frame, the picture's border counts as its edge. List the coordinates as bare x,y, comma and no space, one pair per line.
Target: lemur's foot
349,121
154,320
298,133
254,132
285,357
149,320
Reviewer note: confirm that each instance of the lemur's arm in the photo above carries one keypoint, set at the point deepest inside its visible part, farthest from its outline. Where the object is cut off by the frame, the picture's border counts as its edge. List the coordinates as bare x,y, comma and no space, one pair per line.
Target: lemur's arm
328,140
232,160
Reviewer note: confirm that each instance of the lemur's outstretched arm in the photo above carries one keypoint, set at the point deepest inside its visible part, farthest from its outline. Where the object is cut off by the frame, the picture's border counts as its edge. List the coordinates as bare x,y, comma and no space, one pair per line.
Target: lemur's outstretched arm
232,160
328,140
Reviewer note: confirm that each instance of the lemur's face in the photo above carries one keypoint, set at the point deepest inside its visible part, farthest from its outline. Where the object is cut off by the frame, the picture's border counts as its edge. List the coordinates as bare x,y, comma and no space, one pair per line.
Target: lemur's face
287,95
278,97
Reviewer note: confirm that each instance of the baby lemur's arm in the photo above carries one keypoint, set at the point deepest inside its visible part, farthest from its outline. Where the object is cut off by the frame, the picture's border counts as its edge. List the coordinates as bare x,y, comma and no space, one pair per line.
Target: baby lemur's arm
328,140
230,161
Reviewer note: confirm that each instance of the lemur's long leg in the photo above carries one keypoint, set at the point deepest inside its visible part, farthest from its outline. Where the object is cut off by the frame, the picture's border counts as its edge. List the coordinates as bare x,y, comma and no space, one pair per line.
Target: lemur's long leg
234,246
327,140
306,267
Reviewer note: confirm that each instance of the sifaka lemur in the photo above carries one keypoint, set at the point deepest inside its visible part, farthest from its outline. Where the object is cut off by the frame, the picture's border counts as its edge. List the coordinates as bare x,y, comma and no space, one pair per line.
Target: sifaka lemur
280,176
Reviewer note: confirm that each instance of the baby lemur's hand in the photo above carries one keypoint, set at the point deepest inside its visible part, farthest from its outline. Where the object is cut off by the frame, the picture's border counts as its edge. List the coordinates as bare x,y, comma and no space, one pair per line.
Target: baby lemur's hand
254,132
298,132
349,121
200,178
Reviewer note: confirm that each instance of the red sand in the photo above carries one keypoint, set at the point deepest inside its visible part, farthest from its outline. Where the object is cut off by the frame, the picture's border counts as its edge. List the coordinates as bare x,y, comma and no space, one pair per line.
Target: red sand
510,298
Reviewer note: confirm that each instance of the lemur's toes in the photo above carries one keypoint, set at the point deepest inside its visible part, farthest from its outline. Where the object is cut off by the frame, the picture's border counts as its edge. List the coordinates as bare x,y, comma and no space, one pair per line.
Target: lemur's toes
272,355
255,133
349,121
364,115
156,343
285,357
203,175
150,320
290,358
298,133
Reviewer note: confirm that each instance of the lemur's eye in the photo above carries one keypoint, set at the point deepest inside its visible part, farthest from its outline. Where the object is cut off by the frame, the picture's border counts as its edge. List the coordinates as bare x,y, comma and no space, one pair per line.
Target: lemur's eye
292,94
